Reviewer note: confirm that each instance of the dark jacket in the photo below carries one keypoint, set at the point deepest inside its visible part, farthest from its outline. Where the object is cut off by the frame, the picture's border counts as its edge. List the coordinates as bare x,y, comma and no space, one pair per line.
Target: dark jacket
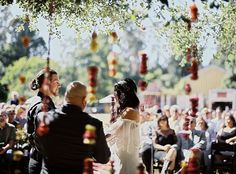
36,103
63,145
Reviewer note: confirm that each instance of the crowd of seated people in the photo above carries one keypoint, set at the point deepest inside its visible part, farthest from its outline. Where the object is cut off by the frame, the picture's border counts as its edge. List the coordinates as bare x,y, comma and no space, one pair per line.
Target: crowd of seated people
169,137
194,136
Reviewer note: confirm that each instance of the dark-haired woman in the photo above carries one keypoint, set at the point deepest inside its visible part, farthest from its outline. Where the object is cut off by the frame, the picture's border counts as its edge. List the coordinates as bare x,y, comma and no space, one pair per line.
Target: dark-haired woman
164,142
124,139
45,91
229,129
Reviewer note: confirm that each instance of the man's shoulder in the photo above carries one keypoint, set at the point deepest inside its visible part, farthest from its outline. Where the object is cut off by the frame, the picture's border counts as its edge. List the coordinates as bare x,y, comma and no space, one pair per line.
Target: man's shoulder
93,120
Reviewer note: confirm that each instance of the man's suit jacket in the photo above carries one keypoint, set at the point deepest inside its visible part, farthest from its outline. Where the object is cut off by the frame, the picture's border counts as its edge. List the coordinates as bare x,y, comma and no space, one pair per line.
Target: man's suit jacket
197,139
63,147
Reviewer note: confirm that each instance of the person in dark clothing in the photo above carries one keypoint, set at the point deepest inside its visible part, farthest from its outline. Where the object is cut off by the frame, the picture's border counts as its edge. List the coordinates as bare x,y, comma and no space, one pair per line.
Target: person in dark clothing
63,146
36,103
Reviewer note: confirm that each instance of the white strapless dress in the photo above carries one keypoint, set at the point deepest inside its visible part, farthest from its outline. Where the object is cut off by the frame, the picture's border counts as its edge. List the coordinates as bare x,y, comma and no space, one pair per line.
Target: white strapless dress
124,144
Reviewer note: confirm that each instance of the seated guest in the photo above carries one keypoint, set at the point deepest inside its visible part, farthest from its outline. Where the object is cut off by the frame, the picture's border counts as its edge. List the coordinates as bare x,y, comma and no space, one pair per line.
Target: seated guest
7,140
63,147
164,139
228,130
190,140
146,128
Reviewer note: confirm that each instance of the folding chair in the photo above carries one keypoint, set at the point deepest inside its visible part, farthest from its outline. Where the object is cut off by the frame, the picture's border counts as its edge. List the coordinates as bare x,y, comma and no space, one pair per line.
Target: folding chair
226,161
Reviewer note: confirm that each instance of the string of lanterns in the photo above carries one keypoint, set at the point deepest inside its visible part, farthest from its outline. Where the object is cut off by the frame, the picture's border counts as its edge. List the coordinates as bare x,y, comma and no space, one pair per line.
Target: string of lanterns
143,71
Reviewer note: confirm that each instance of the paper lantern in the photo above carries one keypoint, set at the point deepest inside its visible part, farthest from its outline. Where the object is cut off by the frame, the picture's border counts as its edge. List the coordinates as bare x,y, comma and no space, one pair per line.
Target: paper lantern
113,37
194,69
193,11
22,79
143,64
142,85
25,40
187,89
89,135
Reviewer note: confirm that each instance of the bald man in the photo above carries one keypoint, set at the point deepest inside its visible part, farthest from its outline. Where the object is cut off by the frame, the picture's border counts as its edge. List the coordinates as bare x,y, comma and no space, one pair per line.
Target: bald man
63,147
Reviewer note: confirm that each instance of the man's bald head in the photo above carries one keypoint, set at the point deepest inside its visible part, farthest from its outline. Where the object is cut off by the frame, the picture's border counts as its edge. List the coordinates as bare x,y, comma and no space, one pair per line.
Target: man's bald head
76,93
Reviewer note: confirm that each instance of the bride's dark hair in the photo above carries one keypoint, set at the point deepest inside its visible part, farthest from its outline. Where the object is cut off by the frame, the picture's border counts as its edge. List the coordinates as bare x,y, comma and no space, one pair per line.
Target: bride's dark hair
125,90
37,82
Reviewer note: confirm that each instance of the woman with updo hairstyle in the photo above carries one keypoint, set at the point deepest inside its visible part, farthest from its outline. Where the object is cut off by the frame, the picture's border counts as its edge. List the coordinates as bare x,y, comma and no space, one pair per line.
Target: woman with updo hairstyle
124,133
47,88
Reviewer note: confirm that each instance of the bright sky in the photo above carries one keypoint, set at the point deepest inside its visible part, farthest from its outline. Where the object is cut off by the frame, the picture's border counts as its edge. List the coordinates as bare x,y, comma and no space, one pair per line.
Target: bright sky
58,49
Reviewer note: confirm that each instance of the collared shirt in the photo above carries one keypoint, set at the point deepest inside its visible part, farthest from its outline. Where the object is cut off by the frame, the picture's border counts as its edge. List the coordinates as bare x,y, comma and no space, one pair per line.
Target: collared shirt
7,133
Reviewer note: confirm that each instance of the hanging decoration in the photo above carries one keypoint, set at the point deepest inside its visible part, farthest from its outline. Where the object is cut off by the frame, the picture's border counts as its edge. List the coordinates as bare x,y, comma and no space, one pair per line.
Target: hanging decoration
25,40
22,100
194,106
143,64
193,11
43,128
113,37
92,76
22,79
94,43
88,166
112,63
113,112
89,135
187,89
143,71
194,69
140,169
142,85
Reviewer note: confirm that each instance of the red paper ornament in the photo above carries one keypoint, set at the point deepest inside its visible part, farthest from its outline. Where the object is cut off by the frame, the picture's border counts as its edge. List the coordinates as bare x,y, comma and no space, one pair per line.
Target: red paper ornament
143,64
88,166
42,129
194,69
187,89
194,105
194,11
142,85
25,40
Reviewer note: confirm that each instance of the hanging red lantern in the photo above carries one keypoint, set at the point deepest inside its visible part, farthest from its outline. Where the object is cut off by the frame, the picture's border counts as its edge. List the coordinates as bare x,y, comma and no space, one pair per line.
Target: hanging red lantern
25,40
113,37
88,166
143,64
142,85
194,105
22,79
187,89
194,11
194,69
92,70
42,129
92,76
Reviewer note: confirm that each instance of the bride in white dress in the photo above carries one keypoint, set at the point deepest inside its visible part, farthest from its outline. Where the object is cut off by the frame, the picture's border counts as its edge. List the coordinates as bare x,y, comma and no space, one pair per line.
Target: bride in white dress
124,133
